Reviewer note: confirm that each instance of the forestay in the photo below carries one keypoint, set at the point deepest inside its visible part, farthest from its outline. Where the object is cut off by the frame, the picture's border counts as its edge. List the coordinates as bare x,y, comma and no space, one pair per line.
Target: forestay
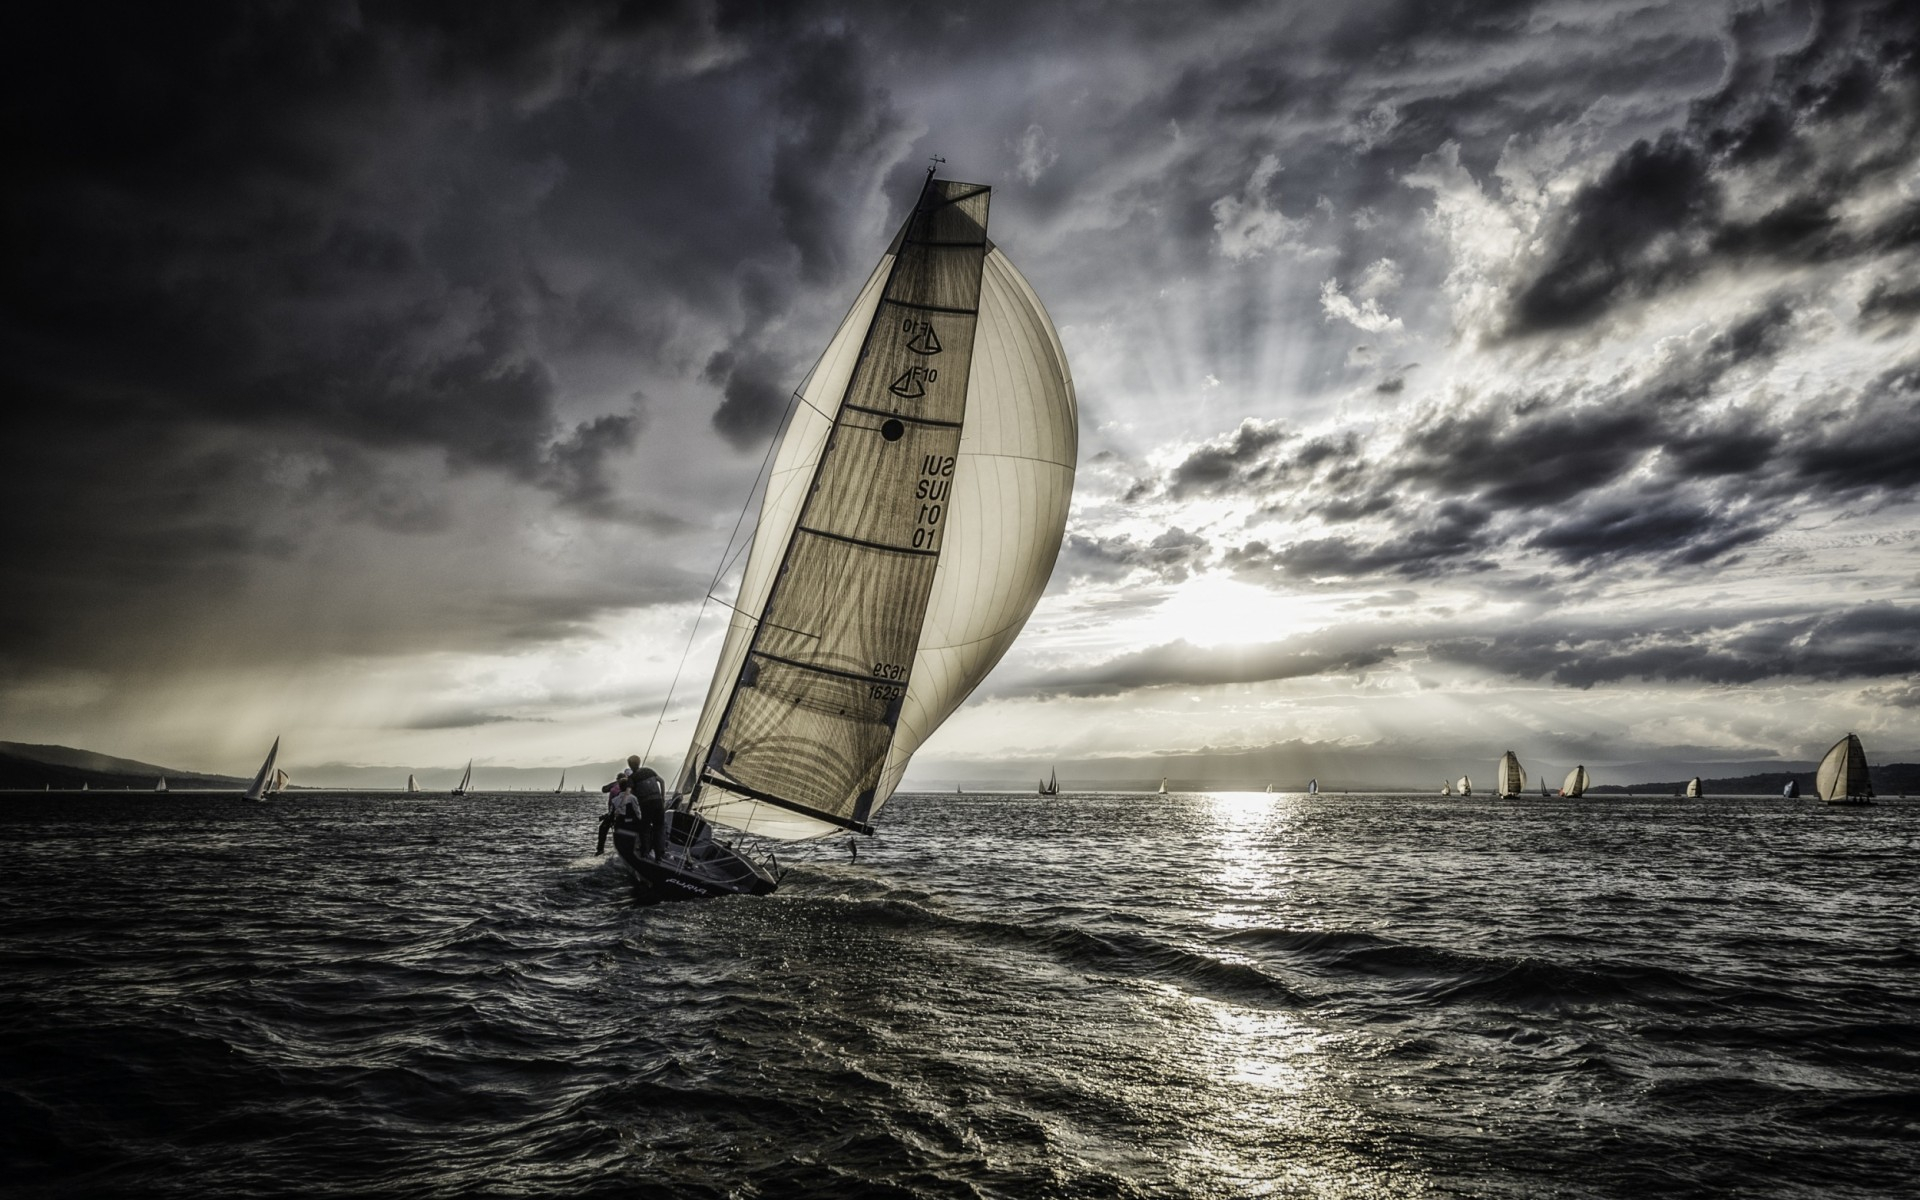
910,522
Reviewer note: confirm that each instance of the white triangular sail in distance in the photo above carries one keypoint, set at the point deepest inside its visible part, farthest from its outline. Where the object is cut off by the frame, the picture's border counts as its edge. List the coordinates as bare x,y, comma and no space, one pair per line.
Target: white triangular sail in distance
466,780
1792,790
1511,775
1843,773
562,785
1163,785
162,785
1313,787
1577,782
1465,786
1446,789
1695,788
910,522
411,785
258,788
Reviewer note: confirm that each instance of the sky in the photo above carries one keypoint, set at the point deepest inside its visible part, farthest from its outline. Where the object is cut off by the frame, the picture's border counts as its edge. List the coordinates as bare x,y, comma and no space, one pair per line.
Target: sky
1453,377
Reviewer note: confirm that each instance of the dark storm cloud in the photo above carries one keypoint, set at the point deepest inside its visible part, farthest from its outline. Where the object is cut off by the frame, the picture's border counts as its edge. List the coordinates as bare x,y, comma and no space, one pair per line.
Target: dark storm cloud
1865,642
1806,130
1454,539
1183,664
1169,556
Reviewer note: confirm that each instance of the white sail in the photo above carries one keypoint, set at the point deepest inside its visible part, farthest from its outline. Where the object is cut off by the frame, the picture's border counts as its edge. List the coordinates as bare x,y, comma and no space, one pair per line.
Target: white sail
1313,787
1577,782
1843,772
1792,790
280,781
411,785
1511,777
466,779
1163,785
258,787
1694,787
1269,789
562,785
911,520
162,785
1465,786
1446,789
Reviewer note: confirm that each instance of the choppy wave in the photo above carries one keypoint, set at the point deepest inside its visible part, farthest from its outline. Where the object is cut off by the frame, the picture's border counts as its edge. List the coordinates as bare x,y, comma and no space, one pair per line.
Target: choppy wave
1099,996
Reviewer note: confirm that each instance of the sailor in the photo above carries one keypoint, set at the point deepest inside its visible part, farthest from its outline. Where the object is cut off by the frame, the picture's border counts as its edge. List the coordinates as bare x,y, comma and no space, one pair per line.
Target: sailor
613,791
652,793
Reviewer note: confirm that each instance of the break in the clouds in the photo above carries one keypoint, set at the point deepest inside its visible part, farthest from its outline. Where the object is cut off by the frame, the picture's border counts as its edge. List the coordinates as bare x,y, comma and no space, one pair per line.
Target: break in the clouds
389,373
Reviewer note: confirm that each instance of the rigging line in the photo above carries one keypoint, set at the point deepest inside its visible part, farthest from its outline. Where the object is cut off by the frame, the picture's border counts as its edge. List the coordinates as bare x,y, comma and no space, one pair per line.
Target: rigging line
694,631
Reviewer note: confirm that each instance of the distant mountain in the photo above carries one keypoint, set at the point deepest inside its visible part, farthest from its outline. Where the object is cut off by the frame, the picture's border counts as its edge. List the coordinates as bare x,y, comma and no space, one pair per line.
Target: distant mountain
23,765
1889,779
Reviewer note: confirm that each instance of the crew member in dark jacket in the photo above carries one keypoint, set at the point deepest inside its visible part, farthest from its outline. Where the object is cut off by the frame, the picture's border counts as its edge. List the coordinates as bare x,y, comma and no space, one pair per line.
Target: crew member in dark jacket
652,794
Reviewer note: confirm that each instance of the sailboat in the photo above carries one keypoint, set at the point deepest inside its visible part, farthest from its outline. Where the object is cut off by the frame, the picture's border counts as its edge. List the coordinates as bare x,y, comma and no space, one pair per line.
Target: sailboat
83,785
278,783
1269,789
1694,790
1446,789
1792,790
1163,786
1842,777
1050,786
257,790
1511,776
1313,787
1465,786
411,785
562,785
466,780
1577,783
162,785
910,522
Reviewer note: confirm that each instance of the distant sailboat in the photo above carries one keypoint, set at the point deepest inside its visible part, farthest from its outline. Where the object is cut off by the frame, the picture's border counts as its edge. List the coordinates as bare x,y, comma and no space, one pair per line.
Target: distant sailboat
1792,790
411,785
1313,787
1446,789
1465,786
162,785
278,783
1051,785
466,780
1843,777
257,790
1577,783
562,785
83,785
1694,789
1511,776
1269,789
1163,785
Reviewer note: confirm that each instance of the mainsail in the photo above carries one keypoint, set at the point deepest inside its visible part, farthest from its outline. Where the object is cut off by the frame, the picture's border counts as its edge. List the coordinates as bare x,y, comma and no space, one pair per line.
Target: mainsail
1446,789
1512,777
910,522
162,785
466,780
258,787
1843,773
1577,782
411,785
562,785
1792,790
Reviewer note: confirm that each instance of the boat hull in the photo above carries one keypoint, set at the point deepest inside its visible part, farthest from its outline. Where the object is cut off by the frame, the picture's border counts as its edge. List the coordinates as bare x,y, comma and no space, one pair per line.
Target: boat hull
1851,801
695,867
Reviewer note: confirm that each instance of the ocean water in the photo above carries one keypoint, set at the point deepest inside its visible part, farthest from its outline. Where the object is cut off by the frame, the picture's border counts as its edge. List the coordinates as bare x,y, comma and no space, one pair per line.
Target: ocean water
1101,995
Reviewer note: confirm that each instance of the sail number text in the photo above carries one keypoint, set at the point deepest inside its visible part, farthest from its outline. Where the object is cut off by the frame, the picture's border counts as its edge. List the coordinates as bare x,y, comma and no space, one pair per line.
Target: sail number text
936,483
887,691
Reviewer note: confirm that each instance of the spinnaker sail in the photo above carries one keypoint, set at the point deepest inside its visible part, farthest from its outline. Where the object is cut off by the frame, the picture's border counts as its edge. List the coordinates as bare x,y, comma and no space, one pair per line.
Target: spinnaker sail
910,522
1512,777
1577,782
1695,788
1843,777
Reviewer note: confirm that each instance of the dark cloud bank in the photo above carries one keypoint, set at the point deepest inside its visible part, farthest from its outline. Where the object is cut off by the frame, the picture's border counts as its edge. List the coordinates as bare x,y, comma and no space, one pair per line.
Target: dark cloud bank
394,243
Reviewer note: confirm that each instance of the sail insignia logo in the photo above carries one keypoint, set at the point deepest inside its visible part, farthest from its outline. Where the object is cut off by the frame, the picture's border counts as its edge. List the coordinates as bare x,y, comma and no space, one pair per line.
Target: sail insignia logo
912,383
921,337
